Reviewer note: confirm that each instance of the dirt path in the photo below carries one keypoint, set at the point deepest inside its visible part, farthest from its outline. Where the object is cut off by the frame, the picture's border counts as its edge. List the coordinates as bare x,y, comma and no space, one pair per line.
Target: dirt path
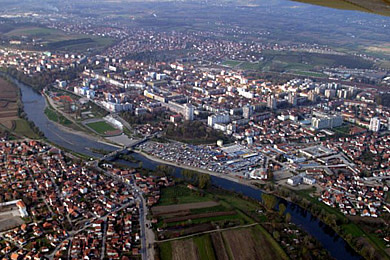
207,232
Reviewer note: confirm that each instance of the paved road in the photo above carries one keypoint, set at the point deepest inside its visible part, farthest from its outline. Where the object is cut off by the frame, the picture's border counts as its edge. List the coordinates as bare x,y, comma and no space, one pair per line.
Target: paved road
149,236
104,238
142,213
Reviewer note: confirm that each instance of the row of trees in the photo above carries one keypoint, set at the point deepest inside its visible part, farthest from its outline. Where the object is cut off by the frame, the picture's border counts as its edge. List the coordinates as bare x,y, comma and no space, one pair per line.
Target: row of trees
201,180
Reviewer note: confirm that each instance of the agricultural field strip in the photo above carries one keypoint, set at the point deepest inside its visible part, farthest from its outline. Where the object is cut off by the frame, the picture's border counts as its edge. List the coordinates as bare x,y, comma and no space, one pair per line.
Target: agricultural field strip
202,215
207,232
161,210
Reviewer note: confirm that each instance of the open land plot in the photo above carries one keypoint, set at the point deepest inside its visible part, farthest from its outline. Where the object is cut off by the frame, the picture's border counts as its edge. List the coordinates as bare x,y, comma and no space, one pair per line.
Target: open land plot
46,34
8,104
245,243
252,243
184,249
9,217
219,246
22,127
8,122
242,244
58,40
8,99
11,222
299,63
205,247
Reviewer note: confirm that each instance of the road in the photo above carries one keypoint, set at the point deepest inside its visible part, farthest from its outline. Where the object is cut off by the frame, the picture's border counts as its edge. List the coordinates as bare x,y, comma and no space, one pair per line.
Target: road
104,238
149,236
142,213
142,210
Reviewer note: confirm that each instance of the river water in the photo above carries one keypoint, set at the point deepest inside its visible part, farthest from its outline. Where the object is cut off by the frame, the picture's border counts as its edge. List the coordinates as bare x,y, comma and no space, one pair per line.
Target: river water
34,106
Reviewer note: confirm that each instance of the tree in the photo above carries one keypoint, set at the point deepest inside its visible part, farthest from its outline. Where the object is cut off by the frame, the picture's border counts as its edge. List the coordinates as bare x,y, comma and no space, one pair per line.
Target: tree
348,237
288,217
165,169
204,181
271,175
276,235
269,201
282,209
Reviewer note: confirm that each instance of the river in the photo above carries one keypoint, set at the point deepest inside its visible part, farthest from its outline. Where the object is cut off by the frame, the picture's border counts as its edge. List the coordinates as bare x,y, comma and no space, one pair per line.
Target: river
34,106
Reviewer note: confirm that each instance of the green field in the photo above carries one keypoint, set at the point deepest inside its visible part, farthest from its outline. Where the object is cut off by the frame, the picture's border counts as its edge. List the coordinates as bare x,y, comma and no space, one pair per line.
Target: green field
165,250
299,63
231,63
308,73
343,130
205,247
101,127
54,39
56,117
22,127
46,34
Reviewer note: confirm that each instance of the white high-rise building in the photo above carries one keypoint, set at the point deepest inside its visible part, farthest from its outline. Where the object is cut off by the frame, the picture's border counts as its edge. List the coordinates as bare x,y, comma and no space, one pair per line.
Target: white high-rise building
388,124
189,112
247,111
375,124
218,119
271,102
292,98
322,120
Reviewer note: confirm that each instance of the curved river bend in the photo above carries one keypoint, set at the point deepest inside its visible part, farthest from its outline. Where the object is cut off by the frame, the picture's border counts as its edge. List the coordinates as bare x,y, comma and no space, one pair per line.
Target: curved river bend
34,106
